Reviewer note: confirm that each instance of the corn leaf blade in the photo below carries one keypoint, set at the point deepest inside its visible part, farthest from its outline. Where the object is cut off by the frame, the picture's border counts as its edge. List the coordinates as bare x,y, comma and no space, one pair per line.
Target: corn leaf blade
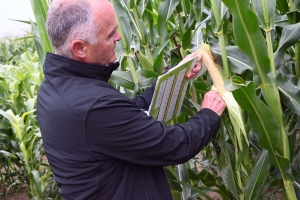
250,39
258,176
265,10
145,63
123,79
39,8
263,124
290,35
289,94
123,22
282,5
225,168
165,11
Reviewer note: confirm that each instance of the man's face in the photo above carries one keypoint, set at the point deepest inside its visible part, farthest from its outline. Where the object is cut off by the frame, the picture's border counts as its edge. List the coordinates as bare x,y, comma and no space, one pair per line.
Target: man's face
104,51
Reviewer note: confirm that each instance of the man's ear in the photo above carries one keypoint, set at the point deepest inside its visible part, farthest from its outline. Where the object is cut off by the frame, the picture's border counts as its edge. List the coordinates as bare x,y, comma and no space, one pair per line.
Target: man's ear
79,48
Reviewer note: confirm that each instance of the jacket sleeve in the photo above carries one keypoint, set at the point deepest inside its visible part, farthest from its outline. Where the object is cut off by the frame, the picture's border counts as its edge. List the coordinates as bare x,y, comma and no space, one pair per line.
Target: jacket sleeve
143,101
116,128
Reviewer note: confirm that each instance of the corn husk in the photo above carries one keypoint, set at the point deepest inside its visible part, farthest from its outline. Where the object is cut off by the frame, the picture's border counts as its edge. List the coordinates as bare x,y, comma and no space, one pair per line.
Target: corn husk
234,110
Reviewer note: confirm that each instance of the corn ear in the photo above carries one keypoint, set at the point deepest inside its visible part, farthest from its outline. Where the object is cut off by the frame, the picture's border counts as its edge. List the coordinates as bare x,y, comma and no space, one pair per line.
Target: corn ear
212,68
234,110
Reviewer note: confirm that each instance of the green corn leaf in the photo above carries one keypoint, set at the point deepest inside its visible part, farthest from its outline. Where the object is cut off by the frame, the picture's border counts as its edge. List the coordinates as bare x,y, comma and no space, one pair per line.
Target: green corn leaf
165,11
24,153
182,174
187,39
15,121
258,176
250,39
209,180
143,84
186,107
123,79
296,174
293,16
262,121
289,94
123,22
145,63
35,179
191,16
265,10
282,5
170,174
40,8
159,61
225,168
238,61
263,124
197,34
290,35
198,9
147,74
218,15
200,190
30,146
27,113
37,42
4,87
137,24
240,64
7,154
281,21
201,86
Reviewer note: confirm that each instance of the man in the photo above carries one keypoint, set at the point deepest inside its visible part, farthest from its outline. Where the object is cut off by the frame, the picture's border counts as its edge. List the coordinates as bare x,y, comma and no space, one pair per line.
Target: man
98,142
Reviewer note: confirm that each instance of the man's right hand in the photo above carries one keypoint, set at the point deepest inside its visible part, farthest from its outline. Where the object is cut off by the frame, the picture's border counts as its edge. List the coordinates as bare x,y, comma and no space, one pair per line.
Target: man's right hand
214,101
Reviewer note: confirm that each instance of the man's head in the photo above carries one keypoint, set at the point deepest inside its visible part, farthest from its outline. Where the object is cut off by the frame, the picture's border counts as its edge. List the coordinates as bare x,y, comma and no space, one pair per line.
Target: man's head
84,30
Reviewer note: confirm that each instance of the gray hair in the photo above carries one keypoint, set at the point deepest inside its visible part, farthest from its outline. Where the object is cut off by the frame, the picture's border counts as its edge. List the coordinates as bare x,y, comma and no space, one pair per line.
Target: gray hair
66,23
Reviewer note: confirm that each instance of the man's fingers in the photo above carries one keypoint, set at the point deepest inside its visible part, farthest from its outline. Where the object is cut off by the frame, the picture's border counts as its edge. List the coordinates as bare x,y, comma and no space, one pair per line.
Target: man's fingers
195,69
214,101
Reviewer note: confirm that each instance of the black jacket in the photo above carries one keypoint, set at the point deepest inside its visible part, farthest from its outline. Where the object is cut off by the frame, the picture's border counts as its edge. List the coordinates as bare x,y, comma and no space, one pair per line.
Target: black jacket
98,142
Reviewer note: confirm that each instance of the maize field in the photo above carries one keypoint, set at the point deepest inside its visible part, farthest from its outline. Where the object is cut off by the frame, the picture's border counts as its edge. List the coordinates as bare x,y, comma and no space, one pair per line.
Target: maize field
251,56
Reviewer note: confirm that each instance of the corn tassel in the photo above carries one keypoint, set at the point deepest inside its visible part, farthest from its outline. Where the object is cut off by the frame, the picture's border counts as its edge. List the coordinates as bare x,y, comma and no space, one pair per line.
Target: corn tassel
233,108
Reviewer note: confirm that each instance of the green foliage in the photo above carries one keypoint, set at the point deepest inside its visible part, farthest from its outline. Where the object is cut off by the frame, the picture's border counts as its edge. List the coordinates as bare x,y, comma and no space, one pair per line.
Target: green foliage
12,48
22,158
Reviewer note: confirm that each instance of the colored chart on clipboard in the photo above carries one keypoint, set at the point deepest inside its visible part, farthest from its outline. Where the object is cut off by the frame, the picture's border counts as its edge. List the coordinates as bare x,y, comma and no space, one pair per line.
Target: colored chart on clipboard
169,92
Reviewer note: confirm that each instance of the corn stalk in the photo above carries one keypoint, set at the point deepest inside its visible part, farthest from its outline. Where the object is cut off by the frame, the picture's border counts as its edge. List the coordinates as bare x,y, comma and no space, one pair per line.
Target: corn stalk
219,12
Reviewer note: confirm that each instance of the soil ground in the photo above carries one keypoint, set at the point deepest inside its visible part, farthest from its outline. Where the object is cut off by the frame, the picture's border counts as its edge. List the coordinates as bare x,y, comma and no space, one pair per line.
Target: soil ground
20,195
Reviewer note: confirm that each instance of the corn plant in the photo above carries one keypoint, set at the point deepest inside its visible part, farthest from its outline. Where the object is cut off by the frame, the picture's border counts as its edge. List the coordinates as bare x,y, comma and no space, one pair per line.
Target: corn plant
23,148
12,48
257,45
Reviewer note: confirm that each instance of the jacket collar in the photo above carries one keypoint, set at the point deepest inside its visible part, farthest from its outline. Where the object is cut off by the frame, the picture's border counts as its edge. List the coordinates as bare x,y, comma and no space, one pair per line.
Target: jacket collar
57,65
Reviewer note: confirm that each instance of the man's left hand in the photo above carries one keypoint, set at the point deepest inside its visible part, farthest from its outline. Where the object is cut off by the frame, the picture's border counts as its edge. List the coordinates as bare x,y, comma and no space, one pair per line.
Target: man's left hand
195,69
